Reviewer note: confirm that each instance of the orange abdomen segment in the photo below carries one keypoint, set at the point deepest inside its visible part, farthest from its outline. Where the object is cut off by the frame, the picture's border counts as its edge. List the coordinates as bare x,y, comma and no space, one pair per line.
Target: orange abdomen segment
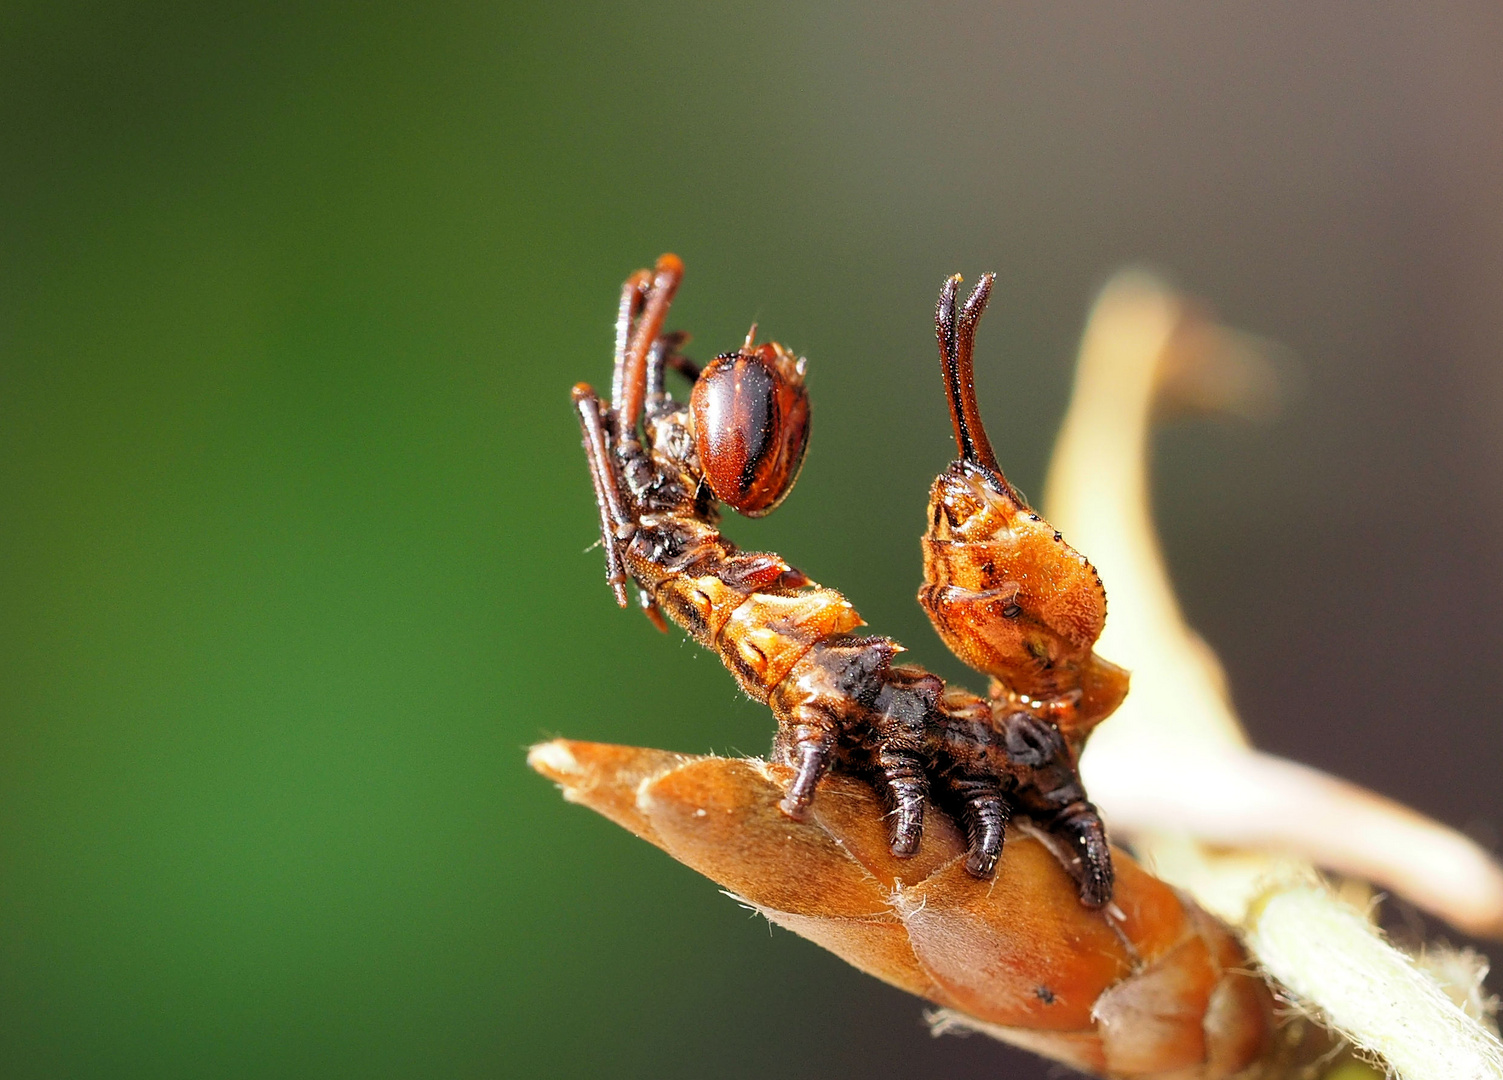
766,635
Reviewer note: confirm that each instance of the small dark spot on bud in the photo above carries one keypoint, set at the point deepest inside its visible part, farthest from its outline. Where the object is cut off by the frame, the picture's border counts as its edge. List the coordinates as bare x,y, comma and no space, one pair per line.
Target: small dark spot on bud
1011,611
1044,994
1058,535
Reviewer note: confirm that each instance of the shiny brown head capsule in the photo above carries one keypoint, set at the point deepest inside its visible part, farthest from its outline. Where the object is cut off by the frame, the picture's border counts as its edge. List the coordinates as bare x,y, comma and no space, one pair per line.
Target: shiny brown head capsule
751,425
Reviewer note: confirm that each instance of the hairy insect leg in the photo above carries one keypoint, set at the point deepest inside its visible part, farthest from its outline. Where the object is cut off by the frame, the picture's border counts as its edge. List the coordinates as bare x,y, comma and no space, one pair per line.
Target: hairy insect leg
984,812
632,369
633,295
614,519
905,778
1079,826
904,710
811,751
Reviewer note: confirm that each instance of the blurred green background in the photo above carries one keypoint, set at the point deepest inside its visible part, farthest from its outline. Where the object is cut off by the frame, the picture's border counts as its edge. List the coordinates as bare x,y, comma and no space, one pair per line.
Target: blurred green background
293,516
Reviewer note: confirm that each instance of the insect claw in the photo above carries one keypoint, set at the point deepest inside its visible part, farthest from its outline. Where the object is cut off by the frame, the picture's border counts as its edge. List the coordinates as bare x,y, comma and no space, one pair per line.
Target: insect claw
811,760
981,864
797,810
984,812
1080,826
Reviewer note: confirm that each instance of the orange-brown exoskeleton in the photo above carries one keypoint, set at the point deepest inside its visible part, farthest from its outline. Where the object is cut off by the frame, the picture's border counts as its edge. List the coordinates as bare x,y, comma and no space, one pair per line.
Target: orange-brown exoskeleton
1003,589
661,468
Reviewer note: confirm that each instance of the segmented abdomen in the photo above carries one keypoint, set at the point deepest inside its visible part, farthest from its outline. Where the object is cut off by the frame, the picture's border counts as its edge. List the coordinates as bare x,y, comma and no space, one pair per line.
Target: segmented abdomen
758,614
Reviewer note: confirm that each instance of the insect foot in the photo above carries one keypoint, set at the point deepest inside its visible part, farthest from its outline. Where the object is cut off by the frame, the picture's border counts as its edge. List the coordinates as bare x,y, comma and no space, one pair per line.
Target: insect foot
661,470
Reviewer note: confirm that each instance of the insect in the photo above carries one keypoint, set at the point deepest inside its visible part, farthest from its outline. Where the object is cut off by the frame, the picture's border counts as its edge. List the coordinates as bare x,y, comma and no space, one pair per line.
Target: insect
1005,592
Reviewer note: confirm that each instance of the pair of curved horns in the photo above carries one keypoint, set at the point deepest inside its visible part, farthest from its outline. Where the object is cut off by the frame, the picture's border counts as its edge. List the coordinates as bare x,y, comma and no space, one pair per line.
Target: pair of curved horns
956,334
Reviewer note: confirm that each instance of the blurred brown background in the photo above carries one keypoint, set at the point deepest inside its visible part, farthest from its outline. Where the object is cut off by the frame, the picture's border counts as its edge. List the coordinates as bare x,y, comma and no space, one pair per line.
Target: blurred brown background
293,516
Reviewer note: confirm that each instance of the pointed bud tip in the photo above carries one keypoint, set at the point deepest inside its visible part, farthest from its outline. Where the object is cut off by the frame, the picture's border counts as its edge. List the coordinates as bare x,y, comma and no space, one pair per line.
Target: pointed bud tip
554,760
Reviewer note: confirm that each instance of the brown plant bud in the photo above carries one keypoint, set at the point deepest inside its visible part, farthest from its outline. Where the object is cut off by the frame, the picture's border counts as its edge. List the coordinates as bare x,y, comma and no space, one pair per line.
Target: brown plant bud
1148,986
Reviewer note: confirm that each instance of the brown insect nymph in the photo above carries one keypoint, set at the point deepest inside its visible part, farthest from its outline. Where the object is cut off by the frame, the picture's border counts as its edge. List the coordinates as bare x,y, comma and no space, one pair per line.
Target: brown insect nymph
1004,591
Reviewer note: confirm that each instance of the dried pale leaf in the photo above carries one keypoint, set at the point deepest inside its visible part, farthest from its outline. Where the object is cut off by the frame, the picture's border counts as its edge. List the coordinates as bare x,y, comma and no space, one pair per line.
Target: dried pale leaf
1173,769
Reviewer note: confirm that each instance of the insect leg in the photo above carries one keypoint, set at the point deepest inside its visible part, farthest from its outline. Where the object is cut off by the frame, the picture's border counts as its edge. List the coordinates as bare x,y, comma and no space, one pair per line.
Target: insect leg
984,811
613,516
686,367
1049,790
650,608
811,752
633,295
830,692
903,711
660,357
907,782
1079,826
633,368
